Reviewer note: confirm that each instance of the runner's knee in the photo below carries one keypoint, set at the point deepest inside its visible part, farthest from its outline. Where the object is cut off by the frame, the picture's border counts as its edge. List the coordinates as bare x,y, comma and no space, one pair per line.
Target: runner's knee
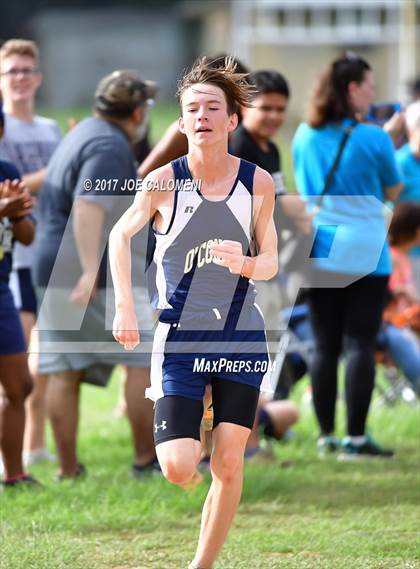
178,471
226,464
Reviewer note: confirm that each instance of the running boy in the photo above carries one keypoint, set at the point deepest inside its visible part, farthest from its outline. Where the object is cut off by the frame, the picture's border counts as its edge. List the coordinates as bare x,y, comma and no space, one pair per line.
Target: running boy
210,241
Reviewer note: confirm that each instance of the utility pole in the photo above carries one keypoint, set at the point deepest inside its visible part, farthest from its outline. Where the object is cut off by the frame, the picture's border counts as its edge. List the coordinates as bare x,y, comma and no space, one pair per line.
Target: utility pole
407,45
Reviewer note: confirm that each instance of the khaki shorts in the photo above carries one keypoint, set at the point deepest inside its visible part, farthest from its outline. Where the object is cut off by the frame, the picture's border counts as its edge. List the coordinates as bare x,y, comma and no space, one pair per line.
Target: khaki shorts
80,339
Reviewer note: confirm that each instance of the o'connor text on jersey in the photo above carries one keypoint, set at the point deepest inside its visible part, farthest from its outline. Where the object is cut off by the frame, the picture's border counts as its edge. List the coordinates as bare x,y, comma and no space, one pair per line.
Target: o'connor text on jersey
203,254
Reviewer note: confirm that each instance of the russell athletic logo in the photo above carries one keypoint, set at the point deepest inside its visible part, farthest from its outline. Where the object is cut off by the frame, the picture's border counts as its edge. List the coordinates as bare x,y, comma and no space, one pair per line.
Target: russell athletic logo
162,426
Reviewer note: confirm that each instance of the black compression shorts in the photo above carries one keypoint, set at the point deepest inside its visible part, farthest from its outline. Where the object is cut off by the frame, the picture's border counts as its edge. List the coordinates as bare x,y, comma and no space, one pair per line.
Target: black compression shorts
179,417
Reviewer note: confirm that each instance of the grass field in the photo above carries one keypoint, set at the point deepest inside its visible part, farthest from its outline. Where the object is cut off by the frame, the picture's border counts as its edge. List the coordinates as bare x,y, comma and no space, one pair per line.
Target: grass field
311,514
296,513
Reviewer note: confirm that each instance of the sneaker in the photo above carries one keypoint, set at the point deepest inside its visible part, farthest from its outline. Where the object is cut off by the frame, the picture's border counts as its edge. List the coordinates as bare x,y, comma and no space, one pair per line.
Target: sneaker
24,480
327,445
138,471
368,449
36,456
81,472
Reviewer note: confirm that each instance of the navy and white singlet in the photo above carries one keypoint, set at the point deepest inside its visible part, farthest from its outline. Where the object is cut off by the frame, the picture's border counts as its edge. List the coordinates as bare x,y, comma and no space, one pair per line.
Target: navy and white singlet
208,319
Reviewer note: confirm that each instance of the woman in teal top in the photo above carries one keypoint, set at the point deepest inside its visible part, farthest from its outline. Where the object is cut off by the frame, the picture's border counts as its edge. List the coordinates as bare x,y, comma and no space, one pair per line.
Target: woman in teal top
353,262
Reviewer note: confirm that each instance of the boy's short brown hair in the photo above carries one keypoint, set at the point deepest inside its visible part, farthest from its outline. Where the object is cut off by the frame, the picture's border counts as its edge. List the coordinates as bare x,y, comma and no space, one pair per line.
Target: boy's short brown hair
26,48
237,90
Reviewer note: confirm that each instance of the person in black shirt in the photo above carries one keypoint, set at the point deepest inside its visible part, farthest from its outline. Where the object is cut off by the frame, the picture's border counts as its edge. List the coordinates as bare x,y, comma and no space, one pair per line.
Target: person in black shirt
252,139
267,155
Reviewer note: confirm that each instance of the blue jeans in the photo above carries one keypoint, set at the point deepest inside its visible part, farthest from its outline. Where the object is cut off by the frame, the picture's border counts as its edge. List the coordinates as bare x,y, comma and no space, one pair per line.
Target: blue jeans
403,348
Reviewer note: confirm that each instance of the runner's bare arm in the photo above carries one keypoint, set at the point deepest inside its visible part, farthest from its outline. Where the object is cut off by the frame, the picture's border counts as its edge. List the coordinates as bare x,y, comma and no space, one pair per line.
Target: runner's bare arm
144,207
264,265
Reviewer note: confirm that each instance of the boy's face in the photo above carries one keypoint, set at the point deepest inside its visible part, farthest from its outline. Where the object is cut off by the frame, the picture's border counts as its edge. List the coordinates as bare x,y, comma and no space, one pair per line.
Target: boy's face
267,114
205,119
20,79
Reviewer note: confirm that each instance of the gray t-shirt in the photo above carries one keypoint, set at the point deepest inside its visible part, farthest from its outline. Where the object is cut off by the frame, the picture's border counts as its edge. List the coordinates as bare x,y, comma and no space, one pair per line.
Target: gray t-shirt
29,146
98,151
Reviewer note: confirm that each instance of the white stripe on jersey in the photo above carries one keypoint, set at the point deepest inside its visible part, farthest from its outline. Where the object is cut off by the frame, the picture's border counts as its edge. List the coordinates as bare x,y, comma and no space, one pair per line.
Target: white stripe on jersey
266,386
240,204
155,391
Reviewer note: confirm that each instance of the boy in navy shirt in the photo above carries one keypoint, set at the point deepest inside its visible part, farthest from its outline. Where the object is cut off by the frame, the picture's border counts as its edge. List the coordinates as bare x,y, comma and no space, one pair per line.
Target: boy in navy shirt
15,225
